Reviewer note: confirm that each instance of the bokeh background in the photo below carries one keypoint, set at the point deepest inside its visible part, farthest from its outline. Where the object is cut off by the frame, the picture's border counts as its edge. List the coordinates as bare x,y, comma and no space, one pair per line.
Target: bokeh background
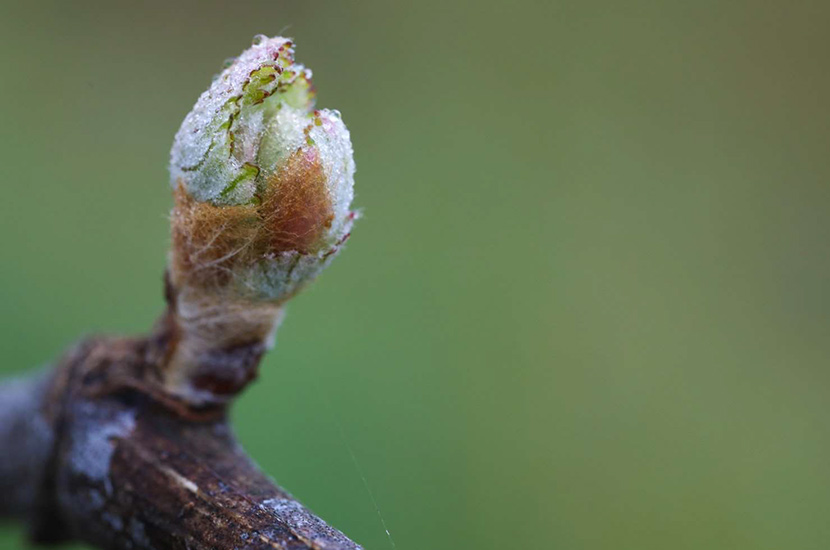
587,307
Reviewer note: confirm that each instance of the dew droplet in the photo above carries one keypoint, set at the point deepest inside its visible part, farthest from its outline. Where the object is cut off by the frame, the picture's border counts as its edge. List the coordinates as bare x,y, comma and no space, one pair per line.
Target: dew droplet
259,39
228,62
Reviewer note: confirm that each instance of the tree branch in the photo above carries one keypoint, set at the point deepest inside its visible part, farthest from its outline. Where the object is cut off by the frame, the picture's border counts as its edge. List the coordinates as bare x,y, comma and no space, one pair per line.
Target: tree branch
93,453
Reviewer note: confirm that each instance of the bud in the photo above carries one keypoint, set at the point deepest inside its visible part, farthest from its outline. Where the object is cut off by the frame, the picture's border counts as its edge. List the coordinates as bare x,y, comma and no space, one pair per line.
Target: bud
262,185
262,181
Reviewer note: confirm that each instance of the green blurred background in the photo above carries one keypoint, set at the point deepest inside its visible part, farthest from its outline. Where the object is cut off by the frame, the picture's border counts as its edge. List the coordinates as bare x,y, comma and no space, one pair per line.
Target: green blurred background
587,307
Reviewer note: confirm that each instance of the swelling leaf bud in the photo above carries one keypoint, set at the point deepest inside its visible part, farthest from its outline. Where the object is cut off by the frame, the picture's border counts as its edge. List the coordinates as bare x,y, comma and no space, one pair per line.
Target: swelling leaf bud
262,181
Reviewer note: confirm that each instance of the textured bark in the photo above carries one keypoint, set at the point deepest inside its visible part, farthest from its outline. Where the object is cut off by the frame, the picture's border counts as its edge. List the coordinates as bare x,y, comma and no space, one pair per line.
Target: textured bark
97,451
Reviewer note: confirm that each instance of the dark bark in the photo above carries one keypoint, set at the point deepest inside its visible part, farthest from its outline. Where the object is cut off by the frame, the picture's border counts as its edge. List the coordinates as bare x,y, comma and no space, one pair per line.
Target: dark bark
98,452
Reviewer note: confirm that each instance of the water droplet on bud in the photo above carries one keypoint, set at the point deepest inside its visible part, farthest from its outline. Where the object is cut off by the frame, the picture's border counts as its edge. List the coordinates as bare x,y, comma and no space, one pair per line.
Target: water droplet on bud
259,39
228,62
